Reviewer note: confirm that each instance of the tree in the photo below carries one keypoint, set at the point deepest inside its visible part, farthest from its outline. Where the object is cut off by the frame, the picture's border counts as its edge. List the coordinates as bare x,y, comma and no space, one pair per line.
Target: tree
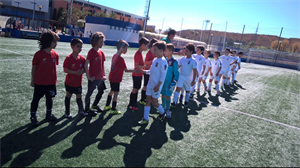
284,45
274,44
100,14
167,30
112,15
296,47
229,42
251,44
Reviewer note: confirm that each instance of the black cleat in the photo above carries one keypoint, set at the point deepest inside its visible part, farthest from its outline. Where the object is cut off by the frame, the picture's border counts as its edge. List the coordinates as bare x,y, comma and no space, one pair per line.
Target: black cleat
90,112
34,121
51,118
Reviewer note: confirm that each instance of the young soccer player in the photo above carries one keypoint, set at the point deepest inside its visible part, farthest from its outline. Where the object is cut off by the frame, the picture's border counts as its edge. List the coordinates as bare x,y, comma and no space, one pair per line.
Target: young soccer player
148,62
118,66
226,61
215,70
238,67
170,80
137,77
201,64
74,67
43,75
157,73
187,75
96,74
207,68
233,66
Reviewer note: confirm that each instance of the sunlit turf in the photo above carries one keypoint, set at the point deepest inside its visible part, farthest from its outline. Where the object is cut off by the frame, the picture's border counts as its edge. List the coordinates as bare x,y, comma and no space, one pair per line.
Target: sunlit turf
213,131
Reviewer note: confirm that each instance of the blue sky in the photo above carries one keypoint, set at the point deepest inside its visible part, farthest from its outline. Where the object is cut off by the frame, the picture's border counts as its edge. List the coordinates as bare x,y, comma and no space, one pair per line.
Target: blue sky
270,14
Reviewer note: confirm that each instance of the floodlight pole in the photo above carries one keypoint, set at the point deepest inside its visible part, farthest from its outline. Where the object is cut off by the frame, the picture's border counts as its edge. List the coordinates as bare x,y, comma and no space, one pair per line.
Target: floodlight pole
241,37
279,38
224,36
147,17
33,10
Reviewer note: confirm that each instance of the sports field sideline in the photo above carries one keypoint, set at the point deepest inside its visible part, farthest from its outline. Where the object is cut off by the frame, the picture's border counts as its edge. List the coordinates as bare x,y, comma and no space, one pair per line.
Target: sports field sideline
255,123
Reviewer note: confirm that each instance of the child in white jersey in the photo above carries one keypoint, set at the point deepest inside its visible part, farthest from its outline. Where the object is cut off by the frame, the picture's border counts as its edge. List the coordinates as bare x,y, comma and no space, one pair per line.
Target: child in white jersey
233,66
157,73
216,67
238,67
200,65
206,70
226,62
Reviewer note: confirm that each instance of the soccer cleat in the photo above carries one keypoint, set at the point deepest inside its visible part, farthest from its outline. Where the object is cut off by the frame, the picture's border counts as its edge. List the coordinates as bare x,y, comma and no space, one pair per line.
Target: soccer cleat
198,91
218,93
173,105
161,116
235,81
208,90
90,112
186,104
115,112
97,108
67,115
222,87
142,102
133,108
106,108
168,114
51,118
143,122
34,121
83,113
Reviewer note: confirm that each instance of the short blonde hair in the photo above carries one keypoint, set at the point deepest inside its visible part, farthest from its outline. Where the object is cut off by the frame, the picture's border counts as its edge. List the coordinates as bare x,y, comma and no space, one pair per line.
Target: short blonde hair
96,37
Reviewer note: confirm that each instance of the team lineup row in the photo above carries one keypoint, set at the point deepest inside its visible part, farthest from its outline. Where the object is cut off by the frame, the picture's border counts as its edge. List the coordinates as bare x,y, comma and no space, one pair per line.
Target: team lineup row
161,71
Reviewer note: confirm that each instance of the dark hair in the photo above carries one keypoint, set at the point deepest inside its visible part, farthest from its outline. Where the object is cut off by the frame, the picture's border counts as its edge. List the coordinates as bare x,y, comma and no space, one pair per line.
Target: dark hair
170,47
172,32
152,41
190,46
75,41
121,44
161,45
218,53
47,38
96,37
228,49
201,47
208,52
144,41
233,51
240,53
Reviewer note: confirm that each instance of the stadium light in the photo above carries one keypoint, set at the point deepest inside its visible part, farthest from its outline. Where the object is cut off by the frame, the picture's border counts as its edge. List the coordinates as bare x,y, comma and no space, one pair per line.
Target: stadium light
18,2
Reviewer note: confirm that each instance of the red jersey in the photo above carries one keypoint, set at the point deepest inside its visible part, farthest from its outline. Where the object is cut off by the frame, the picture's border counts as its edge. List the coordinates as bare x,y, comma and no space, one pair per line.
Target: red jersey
97,59
117,69
149,57
45,63
138,58
74,64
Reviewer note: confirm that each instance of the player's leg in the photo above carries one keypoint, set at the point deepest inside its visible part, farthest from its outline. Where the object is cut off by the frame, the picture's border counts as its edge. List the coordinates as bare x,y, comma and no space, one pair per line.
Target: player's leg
217,79
69,92
143,93
199,84
108,100
50,94
80,104
210,82
39,91
114,109
176,94
91,87
147,107
101,87
137,82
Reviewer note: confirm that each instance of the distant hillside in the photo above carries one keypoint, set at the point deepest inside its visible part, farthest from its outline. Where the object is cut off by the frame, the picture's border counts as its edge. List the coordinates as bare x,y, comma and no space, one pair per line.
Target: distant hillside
261,40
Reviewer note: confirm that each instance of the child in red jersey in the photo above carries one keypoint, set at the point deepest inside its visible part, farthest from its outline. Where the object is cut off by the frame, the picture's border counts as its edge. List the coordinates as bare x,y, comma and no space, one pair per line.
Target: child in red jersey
137,77
148,62
95,73
74,67
43,75
118,66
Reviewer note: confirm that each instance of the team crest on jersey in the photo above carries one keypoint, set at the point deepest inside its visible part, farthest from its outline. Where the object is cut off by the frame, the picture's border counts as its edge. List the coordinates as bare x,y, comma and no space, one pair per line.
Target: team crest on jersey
199,59
216,63
44,60
80,65
189,62
227,59
165,67
156,64
73,65
96,59
53,59
170,62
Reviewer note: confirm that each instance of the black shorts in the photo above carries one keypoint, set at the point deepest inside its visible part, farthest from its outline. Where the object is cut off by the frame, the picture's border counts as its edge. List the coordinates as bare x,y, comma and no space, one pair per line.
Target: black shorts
99,83
115,86
137,82
146,79
75,90
41,90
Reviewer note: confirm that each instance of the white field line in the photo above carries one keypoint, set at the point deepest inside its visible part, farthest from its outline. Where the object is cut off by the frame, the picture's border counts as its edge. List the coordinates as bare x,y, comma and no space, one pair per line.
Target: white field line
14,52
250,115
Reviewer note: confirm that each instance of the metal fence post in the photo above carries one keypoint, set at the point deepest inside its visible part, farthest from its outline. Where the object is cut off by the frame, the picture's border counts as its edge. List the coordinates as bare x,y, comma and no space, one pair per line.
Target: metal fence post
248,55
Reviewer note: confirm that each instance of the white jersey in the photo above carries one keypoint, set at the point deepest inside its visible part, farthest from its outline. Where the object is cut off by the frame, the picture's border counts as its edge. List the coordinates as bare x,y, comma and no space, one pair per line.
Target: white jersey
187,66
235,58
207,65
158,71
215,66
226,61
200,62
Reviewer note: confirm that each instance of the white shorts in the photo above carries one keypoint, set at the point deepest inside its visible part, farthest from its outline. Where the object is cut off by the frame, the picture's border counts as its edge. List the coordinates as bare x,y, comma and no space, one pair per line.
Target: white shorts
216,78
150,92
236,69
204,77
184,82
226,72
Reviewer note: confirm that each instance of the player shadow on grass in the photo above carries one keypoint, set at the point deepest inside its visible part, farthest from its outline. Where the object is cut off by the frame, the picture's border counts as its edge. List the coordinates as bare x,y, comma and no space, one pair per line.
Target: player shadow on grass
139,148
33,141
239,86
228,93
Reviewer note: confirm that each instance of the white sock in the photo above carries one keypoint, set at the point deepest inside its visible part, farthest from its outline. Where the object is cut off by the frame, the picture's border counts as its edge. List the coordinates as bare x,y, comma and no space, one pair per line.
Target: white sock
234,76
223,81
146,112
228,80
160,109
205,85
175,97
187,97
217,87
199,84
209,85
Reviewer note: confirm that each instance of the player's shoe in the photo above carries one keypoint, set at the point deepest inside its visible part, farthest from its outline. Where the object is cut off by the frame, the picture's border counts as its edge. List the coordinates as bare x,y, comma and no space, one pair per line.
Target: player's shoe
83,113
67,115
90,112
143,122
161,116
235,81
34,121
114,112
222,87
191,96
173,105
106,108
142,102
97,108
51,118
168,114
207,89
197,90
186,104
218,93
133,108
